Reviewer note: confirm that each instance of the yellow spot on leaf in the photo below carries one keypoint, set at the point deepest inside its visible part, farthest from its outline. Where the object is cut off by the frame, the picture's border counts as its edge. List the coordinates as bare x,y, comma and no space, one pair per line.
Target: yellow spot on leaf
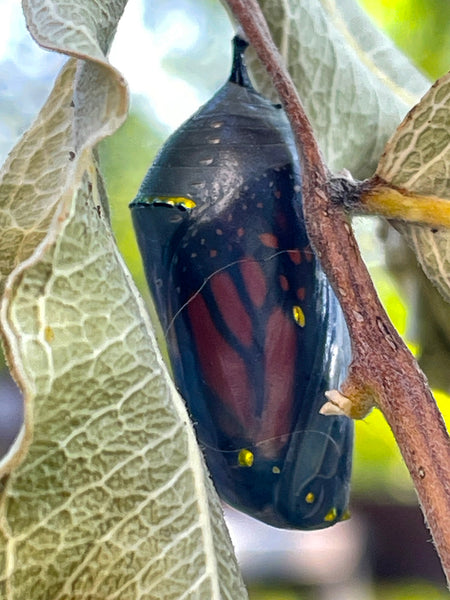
49,334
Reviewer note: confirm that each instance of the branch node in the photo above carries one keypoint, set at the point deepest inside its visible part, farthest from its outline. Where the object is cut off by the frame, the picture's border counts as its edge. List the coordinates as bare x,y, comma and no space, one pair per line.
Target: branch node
337,404
356,403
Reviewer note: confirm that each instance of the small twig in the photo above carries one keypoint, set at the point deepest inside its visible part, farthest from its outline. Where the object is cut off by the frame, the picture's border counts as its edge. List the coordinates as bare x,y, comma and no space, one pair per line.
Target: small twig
383,372
377,197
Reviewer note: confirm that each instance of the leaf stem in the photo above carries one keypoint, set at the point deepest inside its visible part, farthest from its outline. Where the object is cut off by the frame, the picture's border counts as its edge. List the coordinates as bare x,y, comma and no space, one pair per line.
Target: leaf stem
380,198
383,372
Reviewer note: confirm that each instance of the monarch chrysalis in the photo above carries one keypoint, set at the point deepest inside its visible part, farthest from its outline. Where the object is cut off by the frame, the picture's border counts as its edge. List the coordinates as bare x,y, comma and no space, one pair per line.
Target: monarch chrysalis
254,332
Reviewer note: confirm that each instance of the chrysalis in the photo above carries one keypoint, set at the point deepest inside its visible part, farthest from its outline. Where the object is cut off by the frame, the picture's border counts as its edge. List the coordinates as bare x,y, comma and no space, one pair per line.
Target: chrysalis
254,331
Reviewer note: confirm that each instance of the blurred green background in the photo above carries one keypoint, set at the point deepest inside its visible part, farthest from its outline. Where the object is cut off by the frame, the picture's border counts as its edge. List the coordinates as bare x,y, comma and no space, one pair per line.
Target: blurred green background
382,498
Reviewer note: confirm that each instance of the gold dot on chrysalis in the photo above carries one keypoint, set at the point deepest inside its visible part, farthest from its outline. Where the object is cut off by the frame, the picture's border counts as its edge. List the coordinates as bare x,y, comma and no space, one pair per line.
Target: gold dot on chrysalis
299,316
310,497
245,458
331,515
276,470
346,516
188,203
180,201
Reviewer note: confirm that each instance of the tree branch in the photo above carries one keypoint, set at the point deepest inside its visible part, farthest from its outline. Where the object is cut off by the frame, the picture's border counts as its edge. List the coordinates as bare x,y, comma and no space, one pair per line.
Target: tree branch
383,372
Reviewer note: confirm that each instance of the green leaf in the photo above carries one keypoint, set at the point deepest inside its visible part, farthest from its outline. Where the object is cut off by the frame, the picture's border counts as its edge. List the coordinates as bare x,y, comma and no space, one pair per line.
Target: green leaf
417,159
105,491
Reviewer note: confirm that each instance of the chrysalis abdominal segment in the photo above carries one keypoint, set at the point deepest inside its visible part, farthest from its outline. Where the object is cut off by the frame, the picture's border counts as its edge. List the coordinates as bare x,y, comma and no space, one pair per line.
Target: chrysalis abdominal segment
243,454
254,332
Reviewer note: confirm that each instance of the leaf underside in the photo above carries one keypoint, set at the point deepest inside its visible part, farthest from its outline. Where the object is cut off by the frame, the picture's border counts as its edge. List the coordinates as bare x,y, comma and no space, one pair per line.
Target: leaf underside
355,85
